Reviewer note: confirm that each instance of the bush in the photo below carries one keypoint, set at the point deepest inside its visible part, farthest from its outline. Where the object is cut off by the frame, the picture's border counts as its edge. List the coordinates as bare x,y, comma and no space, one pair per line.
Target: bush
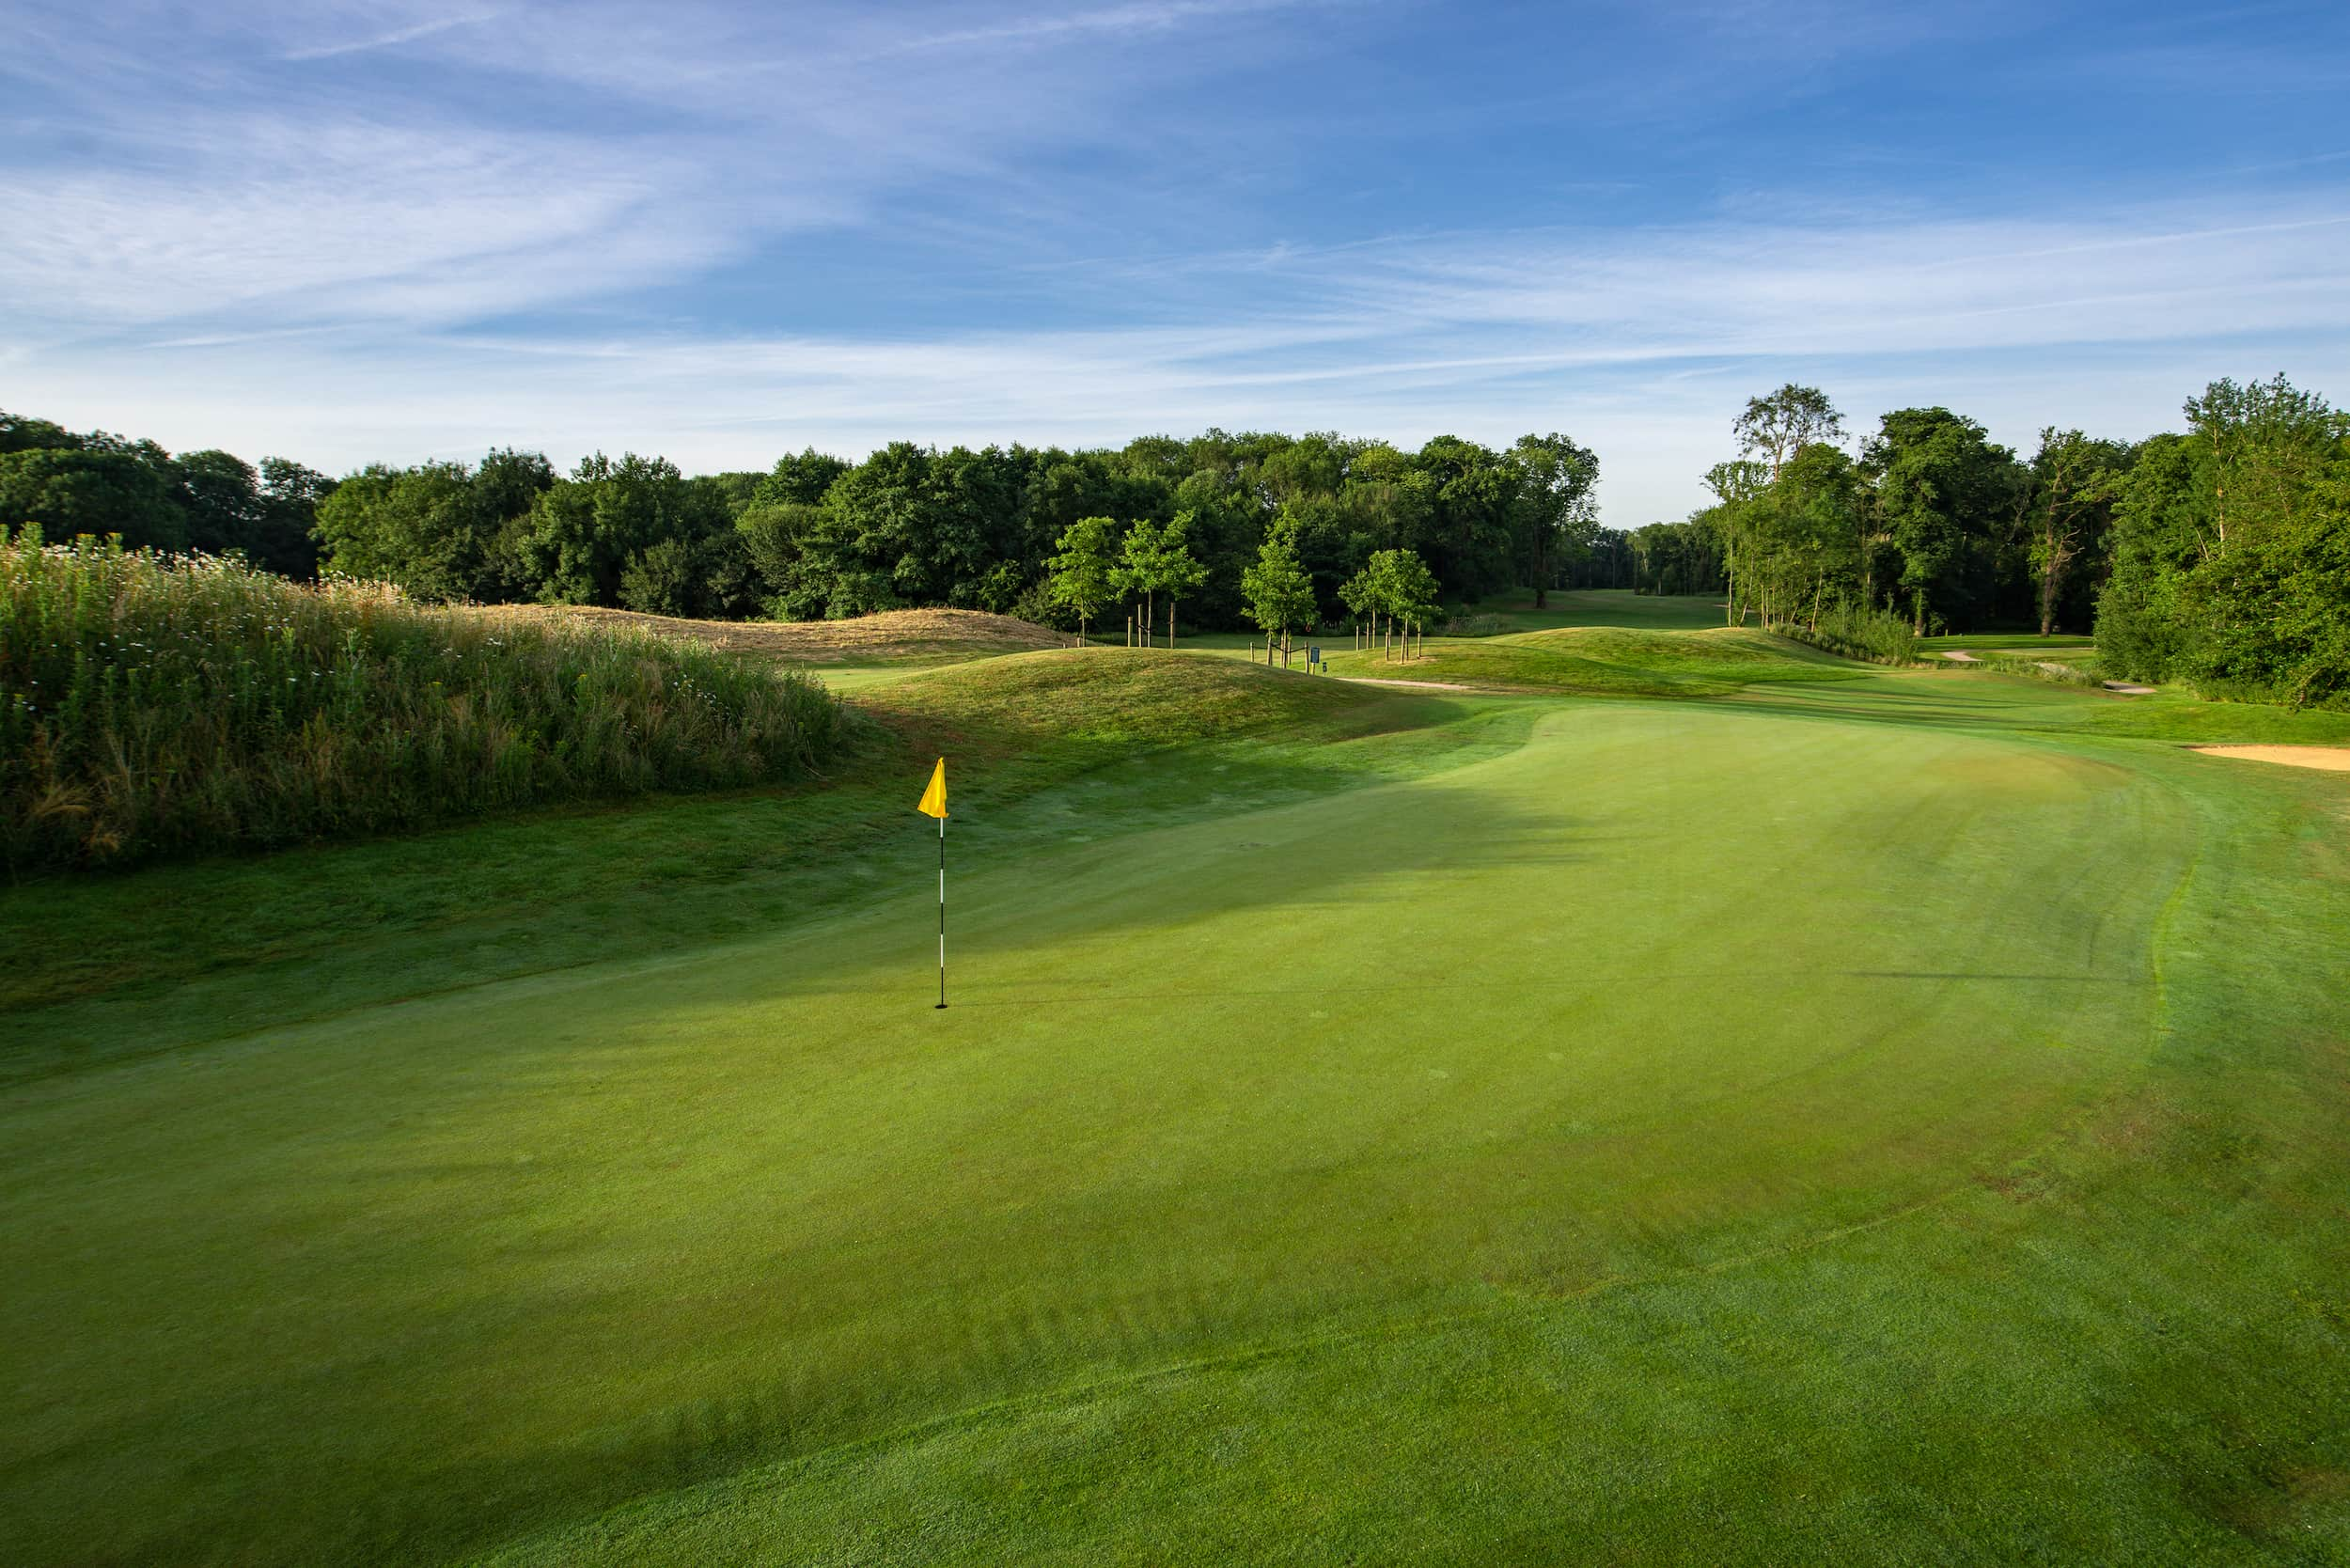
153,704
1470,626
1856,632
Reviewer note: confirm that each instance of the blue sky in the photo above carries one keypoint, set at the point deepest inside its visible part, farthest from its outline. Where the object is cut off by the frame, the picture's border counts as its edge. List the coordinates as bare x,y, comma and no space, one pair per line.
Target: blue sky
350,233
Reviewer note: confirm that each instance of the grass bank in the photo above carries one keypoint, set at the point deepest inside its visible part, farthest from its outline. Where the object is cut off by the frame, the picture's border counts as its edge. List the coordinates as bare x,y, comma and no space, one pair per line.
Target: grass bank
1602,661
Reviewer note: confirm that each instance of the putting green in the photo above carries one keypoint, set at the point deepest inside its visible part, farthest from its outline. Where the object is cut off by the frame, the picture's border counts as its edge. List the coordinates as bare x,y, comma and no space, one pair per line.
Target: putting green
1398,1167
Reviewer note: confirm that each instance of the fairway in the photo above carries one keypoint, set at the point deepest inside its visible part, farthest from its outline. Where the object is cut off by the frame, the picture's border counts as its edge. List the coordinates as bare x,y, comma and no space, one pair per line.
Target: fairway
1497,1132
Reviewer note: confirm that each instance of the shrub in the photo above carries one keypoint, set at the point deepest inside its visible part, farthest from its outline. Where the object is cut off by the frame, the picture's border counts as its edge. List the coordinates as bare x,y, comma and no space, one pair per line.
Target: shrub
153,704
1471,626
1857,632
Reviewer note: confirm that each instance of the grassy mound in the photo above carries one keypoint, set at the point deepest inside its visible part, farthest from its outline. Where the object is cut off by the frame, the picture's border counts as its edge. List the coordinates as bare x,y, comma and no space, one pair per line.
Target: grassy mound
890,638
151,705
1599,661
1132,698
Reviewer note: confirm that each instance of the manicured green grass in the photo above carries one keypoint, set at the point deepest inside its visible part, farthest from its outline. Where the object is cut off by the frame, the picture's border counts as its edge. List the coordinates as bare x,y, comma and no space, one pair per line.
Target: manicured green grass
1885,1119
1605,608
1600,662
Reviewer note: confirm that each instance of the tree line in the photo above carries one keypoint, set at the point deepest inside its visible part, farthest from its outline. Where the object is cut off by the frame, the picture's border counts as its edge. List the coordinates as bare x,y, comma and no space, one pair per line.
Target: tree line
2215,554
2218,555
97,484
817,536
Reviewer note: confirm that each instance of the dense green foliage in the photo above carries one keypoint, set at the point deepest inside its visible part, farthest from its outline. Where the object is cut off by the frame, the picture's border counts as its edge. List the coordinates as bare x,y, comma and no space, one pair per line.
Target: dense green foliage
152,704
1874,1119
2216,556
66,483
914,527
2220,556
2231,550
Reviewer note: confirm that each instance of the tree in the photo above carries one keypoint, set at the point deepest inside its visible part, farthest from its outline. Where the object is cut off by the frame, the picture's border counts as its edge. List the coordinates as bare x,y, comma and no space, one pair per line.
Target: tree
1081,572
1360,595
220,496
1776,427
1945,492
292,494
20,432
1736,486
1560,477
419,527
2230,566
1400,585
2270,440
1142,569
115,487
663,578
1180,571
2069,499
1472,543
1280,596
1811,533
799,481
775,536
1410,591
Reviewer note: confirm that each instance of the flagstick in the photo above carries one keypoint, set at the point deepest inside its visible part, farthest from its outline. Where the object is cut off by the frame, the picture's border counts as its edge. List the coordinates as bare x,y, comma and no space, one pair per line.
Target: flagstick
942,912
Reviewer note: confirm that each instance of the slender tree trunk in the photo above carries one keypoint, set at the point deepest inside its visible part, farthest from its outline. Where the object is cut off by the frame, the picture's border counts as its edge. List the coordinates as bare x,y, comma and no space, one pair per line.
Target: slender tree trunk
1081,631
2052,577
1170,625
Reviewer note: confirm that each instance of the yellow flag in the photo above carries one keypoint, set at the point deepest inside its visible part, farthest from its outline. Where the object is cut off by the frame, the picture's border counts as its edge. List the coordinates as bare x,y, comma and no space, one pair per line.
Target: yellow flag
934,798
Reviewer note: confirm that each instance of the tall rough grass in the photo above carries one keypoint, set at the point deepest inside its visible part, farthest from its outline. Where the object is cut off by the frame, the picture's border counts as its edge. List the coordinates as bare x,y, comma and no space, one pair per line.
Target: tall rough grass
152,705
1857,632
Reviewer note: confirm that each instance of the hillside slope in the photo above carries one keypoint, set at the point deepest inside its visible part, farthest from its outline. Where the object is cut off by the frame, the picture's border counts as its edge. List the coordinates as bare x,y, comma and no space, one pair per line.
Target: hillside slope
1608,661
889,637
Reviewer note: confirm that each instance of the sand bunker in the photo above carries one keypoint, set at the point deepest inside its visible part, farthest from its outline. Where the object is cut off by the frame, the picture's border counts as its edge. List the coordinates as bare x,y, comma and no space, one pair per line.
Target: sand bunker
1960,656
2333,758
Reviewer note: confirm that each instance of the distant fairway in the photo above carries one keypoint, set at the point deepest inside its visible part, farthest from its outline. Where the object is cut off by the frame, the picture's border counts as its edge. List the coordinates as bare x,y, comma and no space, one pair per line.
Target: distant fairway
1605,608
1849,1116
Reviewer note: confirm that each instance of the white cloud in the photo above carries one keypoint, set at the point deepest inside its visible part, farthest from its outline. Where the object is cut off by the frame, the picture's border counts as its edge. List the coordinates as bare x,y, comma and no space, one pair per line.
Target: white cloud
1643,345
342,221
297,217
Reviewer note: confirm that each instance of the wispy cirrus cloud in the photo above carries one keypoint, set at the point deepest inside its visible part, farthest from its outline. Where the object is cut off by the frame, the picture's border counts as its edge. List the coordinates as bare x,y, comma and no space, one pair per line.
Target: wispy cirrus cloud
1651,340
1148,19
354,231
391,40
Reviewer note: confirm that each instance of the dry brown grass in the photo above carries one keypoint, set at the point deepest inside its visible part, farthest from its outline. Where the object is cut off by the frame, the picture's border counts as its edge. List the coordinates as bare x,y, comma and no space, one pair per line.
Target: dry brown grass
892,636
